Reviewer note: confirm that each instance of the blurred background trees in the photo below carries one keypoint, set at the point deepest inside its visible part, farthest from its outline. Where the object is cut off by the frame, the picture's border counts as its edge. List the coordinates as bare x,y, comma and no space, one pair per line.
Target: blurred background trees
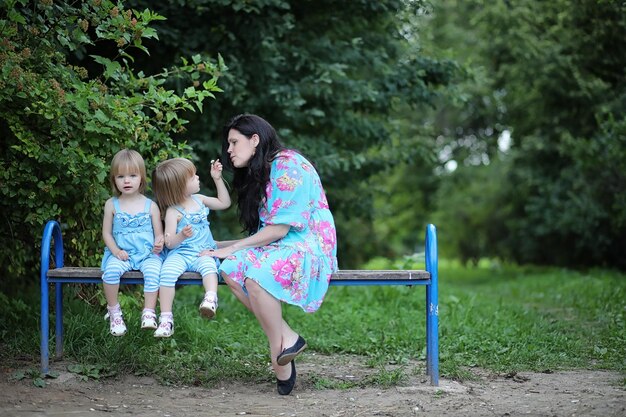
501,122
540,139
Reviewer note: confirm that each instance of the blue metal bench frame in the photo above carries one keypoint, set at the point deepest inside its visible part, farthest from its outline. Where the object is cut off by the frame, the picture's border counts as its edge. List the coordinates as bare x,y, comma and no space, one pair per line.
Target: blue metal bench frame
61,275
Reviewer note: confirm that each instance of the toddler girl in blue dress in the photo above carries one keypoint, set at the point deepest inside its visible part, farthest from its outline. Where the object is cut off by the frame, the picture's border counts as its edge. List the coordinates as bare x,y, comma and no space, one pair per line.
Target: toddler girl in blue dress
133,234
187,233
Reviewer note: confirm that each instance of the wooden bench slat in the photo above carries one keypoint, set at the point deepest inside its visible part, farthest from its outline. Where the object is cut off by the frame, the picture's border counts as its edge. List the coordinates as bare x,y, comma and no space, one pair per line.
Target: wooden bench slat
342,275
365,275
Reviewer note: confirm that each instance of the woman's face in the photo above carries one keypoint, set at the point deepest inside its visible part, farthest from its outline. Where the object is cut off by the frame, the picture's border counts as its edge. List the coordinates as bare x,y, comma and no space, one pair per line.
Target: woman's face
240,148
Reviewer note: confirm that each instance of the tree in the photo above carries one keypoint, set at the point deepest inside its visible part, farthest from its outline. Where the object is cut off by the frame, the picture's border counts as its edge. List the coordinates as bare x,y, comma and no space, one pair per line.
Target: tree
557,72
336,79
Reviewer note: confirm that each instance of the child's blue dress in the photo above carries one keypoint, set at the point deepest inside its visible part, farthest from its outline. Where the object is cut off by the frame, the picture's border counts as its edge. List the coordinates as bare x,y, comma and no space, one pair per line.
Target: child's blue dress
184,257
202,237
134,234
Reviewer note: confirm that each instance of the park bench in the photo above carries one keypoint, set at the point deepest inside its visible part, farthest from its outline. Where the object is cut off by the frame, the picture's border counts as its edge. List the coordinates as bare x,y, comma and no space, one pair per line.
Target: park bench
60,274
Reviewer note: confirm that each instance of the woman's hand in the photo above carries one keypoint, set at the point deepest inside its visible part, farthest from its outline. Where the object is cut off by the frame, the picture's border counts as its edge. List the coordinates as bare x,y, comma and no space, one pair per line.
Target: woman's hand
220,253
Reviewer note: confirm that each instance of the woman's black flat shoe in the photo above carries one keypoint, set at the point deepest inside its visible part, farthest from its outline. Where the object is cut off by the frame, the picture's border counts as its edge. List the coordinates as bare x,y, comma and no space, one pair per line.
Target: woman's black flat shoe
289,354
285,387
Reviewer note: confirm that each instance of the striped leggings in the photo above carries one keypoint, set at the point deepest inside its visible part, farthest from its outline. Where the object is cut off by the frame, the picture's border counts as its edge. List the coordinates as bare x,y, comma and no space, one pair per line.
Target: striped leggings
150,267
175,264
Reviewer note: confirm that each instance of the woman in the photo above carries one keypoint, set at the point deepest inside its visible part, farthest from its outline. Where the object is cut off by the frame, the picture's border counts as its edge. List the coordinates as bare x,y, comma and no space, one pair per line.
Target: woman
291,249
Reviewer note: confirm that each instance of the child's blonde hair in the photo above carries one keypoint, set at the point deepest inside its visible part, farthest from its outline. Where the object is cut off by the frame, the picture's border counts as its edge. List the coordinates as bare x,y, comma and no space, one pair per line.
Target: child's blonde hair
127,161
169,181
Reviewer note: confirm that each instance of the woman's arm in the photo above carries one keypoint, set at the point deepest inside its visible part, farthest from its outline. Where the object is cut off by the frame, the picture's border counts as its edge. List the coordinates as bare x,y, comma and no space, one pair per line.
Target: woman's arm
265,236
225,243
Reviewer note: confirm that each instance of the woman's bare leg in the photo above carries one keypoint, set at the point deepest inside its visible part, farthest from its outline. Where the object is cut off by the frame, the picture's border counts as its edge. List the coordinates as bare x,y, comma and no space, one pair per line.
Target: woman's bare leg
238,291
268,312
288,336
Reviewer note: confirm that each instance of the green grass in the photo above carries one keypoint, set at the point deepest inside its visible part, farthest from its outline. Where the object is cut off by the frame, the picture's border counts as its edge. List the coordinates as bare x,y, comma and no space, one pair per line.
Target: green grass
501,318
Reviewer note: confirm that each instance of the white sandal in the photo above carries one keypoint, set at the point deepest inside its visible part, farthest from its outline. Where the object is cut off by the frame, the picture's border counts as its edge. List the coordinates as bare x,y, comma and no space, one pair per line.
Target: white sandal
208,306
117,327
148,320
165,329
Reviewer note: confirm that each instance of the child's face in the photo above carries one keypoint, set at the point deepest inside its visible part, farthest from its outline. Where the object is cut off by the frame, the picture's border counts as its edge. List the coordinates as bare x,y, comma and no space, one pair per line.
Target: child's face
128,182
193,184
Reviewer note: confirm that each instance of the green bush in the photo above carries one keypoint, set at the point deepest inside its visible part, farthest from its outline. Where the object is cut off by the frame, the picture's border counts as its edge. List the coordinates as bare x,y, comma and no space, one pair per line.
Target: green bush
61,123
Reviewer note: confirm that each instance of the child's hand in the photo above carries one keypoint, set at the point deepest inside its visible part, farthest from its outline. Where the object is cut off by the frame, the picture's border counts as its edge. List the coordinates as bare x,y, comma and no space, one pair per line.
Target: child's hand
122,255
158,245
187,231
216,169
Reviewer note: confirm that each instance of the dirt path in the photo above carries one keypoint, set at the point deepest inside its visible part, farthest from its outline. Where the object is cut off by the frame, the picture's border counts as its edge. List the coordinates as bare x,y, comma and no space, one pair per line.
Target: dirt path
572,393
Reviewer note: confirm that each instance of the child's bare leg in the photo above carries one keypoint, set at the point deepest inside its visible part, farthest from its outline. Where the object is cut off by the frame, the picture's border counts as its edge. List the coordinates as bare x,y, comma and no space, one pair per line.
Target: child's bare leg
166,298
209,282
110,293
117,327
150,299
148,315
166,319
208,306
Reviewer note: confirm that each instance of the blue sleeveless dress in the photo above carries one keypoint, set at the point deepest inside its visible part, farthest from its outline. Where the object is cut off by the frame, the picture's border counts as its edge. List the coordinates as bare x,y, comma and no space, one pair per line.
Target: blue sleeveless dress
132,233
185,257
202,237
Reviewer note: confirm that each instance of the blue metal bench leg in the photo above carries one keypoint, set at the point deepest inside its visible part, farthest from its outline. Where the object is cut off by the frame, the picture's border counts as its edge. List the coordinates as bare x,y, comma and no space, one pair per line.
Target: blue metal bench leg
432,307
59,320
52,230
45,320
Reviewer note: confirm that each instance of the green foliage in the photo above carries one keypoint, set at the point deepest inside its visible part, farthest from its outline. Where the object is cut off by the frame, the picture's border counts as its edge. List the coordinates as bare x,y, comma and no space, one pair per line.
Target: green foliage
61,123
567,178
37,377
86,372
403,205
473,212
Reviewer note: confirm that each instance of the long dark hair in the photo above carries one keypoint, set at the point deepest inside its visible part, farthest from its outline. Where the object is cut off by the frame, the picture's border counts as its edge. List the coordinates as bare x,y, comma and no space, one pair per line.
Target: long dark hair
250,181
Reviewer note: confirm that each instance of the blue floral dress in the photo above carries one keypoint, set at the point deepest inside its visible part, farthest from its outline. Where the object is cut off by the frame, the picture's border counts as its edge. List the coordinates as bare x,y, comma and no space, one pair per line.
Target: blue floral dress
297,268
